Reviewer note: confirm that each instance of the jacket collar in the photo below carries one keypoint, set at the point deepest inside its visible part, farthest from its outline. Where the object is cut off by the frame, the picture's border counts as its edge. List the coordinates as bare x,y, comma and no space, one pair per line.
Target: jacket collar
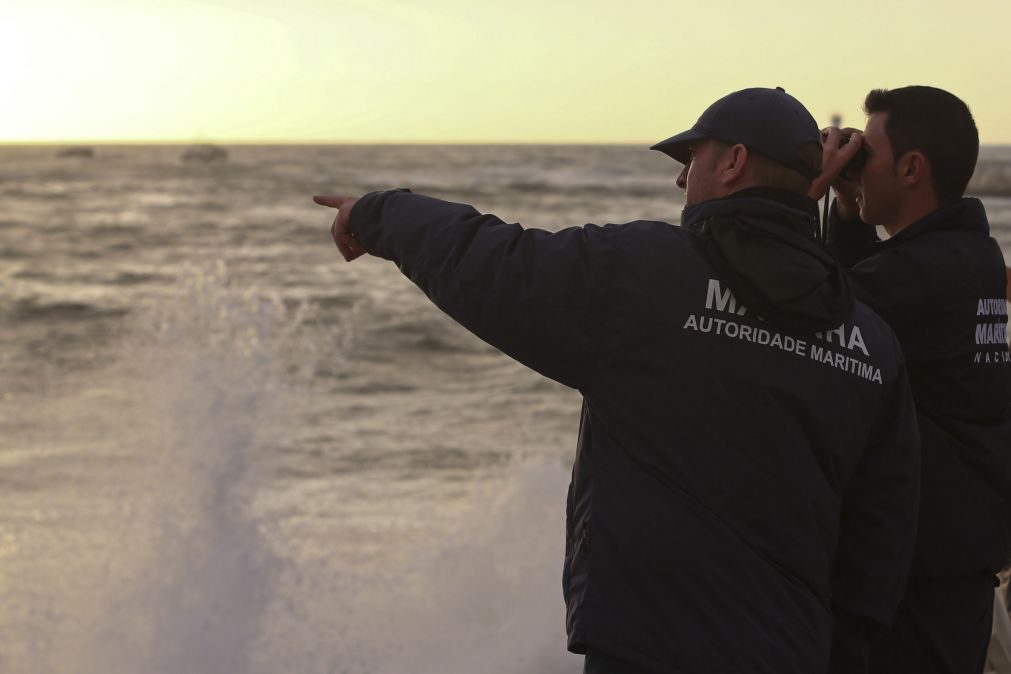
967,215
794,210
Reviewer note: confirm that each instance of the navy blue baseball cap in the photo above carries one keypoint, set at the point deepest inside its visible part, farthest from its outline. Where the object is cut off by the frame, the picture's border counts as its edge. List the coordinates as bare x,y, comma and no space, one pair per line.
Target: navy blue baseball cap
770,122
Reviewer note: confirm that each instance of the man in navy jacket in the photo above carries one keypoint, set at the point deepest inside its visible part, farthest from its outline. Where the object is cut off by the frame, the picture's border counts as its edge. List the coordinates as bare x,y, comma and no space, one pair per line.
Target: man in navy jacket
940,282
744,492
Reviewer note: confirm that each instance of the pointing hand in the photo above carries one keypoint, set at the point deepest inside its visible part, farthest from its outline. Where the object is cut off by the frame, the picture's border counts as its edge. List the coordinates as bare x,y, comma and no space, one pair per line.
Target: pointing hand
339,230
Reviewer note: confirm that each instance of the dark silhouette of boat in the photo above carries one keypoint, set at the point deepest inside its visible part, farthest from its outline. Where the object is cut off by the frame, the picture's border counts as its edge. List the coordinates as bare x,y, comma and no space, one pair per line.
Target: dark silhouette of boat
205,153
81,151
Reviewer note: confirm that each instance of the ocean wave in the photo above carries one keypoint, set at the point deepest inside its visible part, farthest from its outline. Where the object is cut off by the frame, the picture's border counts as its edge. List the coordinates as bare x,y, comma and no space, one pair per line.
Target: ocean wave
992,178
11,253
406,464
421,334
129,278
548,186
39,310
99,277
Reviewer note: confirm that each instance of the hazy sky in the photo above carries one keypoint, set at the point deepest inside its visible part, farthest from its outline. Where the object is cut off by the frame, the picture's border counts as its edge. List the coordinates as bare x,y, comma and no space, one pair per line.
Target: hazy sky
472,70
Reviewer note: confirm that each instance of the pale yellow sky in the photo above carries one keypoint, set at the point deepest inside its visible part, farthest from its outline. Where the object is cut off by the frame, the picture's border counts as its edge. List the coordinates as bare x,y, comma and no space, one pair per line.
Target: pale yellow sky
472,70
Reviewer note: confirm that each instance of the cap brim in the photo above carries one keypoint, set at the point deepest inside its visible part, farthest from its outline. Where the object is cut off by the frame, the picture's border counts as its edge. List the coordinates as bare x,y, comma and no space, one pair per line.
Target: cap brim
676,147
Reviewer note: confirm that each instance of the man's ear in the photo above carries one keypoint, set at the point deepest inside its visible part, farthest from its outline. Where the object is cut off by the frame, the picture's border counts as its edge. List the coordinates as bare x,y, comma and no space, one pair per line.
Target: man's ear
731,165
914,168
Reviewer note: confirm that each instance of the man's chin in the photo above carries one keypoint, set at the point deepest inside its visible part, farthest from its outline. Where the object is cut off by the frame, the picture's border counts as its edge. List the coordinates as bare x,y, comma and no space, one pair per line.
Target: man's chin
867,215
862,210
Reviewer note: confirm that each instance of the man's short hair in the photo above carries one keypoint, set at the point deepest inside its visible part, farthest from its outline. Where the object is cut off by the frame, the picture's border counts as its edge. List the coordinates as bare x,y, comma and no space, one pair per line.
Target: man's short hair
770,173
936,123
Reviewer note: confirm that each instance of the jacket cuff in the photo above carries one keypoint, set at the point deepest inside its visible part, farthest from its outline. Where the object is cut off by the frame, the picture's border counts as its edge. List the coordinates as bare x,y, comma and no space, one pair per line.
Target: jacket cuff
368,212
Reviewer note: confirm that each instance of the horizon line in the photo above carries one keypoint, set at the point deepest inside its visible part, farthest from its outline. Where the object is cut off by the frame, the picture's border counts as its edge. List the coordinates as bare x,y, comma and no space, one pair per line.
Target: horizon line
277,141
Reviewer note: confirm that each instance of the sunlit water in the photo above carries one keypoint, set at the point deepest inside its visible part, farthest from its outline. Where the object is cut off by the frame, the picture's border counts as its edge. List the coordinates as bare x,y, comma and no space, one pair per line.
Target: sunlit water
224,450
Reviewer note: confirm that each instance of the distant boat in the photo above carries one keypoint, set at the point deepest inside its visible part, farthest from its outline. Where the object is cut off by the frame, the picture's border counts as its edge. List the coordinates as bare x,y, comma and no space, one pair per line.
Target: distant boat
77,151
205,153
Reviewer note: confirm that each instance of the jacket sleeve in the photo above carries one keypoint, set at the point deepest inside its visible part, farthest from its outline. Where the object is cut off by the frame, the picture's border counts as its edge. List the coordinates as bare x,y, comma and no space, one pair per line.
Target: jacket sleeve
877,531
540,297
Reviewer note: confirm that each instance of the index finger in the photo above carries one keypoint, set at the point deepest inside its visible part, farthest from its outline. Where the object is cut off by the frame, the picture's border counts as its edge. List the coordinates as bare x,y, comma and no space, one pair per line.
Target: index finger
332,202
856,141
830,132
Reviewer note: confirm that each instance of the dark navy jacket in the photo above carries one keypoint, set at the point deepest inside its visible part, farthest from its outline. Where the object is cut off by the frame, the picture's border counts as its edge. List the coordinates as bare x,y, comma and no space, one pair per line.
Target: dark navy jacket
736,489
941,284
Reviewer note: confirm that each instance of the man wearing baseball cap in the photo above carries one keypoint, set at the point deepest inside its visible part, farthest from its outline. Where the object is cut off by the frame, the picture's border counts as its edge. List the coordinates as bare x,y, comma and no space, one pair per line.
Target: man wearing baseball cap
744,492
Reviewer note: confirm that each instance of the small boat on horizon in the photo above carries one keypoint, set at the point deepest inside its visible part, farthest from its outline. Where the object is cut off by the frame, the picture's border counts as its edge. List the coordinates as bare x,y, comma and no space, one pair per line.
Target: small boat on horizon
81,151
204,152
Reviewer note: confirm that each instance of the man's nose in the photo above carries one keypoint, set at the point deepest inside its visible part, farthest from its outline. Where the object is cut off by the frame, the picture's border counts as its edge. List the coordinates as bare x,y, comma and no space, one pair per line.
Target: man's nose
682,179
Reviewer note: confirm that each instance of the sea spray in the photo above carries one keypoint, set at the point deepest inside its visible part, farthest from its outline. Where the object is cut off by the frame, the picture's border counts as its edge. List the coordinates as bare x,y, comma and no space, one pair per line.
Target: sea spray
488,597
479,593
188,571
212,395
208,557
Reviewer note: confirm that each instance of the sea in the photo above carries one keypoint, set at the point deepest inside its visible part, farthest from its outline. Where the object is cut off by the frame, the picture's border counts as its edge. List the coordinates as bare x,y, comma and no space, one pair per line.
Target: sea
224,450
